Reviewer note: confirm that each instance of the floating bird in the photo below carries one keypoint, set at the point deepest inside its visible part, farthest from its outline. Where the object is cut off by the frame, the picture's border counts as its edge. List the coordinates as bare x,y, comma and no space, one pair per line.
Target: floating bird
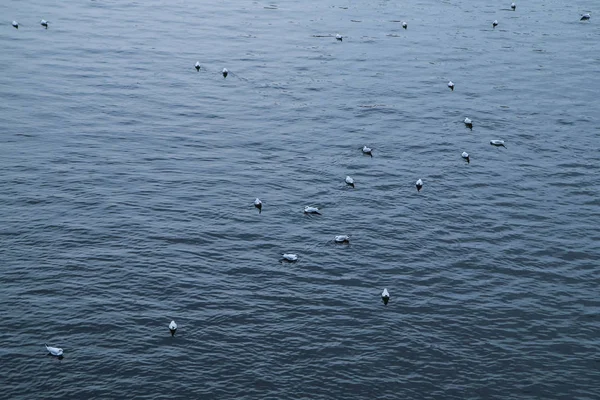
385,296
404,25
451,85
173,328
349,181
311,210
499,143
584,17
290,257
55,351
342,239
44,23
367,150
339,37
465,155
197,66
468,123
225,72
15,24
419,185
258,204
495,23
513,6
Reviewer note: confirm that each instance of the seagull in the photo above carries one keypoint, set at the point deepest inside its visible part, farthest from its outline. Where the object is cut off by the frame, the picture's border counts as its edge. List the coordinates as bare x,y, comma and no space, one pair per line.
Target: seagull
197,66
468,123
311,210
15,24
342,239
465,155
495,23
55,351
367,150
404,25
44,23
258,204
225,72
339,37
385,296
513,6
451,85
419,185
173,328
349,181
290,257
499,143
584,17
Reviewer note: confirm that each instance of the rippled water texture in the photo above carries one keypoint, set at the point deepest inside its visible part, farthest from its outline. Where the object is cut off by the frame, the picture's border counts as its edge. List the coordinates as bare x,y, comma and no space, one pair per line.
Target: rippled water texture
128,180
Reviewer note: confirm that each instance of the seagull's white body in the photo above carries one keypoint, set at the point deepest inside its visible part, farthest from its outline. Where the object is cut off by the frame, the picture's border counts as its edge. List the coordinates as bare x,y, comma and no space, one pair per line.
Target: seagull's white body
173,328
44,23
15,24
311,210
55,351
367,150
465,155
495,23
339,37
197,66
342,239
496,142
451,85
468,123
404,25
349,181
385,296
419,185
258,204
584,17
225,72
290,257
513,6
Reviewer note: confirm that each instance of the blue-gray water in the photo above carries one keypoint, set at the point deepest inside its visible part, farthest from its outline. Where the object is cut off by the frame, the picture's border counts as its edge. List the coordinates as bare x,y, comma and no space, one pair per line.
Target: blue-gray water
127,181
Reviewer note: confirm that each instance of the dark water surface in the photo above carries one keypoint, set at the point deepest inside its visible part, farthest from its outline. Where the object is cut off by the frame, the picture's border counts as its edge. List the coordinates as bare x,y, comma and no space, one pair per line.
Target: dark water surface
127,180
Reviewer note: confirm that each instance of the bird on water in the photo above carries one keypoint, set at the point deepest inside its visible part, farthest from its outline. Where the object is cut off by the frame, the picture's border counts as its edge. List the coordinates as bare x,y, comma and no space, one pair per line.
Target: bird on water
173,328
385,296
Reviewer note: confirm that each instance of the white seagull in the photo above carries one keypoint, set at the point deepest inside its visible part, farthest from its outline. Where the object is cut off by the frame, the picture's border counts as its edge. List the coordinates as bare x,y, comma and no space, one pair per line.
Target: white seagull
584,17
225,72
197,66
173,328
513,6
339,37
349,181
44,23
290,257
367,150
55,351
385,296
15,24
495,23
451,85
468,123
465,155
499,143
311,210
258,204
404,25
342,239
419,185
